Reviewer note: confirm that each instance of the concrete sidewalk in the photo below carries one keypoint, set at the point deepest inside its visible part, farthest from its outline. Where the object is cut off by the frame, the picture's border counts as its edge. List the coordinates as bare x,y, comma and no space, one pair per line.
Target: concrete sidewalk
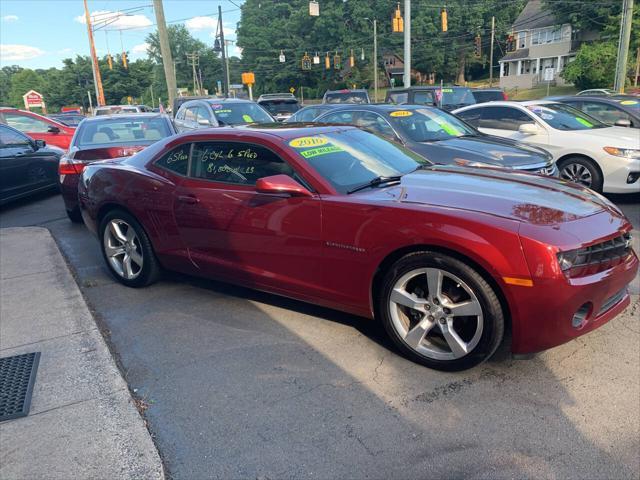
82,422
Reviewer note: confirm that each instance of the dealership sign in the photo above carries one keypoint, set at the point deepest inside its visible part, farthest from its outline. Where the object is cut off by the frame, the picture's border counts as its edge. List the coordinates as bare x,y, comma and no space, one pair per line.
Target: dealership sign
33,99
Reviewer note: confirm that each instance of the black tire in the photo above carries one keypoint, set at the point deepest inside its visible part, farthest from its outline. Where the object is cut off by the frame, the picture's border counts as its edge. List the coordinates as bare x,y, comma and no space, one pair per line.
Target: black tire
74,215
151,269
567,164
493,317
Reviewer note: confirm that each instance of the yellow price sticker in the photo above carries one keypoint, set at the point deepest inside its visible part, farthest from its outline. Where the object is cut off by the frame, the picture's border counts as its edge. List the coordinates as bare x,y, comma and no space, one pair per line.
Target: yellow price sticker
628,102
401,113
306,142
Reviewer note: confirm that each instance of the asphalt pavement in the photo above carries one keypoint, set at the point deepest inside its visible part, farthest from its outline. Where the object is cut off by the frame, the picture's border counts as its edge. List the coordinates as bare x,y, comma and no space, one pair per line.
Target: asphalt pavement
241,384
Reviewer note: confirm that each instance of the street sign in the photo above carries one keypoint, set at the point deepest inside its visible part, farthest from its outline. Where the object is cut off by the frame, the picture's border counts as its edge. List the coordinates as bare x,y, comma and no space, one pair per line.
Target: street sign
236,86
33,99
292,90
548,74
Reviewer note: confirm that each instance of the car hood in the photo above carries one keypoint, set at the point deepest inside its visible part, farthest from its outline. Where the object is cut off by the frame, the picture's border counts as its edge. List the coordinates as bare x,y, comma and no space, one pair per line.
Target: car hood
518,196
482,148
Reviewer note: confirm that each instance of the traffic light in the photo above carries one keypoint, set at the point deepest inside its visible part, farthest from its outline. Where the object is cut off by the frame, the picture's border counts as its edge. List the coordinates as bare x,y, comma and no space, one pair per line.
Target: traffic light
336,62
511,43
477,50
443,15
397,22
125,63
352,60
110,61
306,62
327,62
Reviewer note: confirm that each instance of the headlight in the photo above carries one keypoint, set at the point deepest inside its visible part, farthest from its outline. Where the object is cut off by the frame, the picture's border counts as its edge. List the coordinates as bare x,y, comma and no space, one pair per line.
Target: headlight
572,257
623,152
595,257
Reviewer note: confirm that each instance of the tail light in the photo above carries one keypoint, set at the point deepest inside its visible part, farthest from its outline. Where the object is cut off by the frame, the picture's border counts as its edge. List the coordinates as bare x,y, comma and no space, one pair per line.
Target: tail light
505,96
69,166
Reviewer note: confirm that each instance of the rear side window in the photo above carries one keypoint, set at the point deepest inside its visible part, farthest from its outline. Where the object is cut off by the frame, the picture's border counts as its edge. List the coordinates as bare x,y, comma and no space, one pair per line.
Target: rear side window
399,98
423,98
338,117
239,163
500,118
11,138
177,160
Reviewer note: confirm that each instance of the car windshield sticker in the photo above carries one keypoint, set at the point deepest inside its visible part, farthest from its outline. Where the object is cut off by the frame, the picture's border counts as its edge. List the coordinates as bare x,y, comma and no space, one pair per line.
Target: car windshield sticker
401,113
216,106
584,122
247,118
546,116
628,102
306,142
314,152
442,123
223,111
447,90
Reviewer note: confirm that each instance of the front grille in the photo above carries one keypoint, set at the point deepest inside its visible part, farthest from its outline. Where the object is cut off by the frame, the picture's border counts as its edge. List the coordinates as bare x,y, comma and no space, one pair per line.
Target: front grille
545,169
612,301
601,256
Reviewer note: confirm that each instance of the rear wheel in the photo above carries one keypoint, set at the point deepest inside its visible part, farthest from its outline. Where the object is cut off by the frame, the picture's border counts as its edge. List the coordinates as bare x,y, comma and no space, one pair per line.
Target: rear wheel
74,215
440,312
127,250
581,171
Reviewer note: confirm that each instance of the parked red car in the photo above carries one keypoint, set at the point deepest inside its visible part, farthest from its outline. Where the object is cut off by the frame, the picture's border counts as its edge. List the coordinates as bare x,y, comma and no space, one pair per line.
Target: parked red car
104,138
38,127
448,258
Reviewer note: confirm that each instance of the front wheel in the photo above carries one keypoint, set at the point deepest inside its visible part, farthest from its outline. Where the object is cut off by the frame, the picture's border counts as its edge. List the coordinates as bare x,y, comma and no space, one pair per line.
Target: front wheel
440,312
581,171
127,250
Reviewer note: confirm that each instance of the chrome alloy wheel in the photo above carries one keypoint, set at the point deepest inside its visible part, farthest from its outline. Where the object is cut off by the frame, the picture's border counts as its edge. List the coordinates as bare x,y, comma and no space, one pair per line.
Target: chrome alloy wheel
436,313
576,173
122,249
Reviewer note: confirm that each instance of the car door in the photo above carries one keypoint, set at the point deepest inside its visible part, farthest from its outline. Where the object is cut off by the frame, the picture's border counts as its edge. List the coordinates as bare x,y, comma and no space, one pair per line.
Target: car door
38,129
505,121
234,232
16,158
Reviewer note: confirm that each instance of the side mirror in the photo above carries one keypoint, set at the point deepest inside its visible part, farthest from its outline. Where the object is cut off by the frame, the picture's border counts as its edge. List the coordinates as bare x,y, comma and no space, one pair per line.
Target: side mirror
278,184
53,129
38,144
529,129
623,122
204,122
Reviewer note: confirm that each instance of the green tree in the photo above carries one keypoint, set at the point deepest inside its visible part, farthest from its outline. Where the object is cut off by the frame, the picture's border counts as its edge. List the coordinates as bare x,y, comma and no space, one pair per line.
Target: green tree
21,83
594,66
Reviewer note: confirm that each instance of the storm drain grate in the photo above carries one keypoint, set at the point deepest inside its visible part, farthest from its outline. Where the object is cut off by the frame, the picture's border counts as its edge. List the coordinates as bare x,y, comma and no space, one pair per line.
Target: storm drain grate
17,376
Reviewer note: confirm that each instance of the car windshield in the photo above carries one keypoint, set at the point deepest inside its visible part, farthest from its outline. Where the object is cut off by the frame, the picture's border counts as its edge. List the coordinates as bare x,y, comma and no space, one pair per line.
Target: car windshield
280,106
429,125
346,97
455,96
240,113
350,158
564,117
122,131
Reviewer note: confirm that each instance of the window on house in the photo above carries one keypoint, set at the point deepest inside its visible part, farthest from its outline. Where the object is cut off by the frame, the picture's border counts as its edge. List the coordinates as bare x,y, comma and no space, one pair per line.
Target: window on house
522,39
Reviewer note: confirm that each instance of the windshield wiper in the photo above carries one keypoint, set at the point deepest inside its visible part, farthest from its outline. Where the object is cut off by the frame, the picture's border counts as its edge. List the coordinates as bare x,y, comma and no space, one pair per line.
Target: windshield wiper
374,182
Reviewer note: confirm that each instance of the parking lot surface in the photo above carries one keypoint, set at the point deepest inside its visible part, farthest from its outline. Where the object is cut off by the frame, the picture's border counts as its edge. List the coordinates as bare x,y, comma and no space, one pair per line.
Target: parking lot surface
244,384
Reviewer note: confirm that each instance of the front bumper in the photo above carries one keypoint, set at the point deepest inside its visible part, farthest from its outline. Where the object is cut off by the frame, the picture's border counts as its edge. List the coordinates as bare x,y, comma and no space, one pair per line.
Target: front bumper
616,172
542,314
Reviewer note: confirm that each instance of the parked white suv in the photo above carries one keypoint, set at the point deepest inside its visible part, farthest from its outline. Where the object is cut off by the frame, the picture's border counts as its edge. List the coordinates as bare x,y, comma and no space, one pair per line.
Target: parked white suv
587,151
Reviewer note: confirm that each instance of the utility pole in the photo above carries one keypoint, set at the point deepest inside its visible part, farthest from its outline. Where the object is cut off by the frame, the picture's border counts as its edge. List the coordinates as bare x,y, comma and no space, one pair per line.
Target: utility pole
623,46
226,60
194,58
97,79
225,73
635,79
407,43
90,102
165,50
375,60
493,31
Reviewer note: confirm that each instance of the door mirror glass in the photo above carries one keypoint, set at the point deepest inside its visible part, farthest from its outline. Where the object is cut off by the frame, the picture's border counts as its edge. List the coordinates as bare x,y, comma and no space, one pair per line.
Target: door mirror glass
53,129
38,144
529,129
279,184
623,122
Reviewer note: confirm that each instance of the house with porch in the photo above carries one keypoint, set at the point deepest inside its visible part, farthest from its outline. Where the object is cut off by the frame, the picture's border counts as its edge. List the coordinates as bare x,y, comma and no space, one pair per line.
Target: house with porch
540,43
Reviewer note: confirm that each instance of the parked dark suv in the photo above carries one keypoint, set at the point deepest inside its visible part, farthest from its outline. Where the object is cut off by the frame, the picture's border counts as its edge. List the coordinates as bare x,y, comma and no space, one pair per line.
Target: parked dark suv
346,96
448,98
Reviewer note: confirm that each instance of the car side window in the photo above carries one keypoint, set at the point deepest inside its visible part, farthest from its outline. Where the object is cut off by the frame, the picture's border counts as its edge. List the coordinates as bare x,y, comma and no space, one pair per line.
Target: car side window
472,117
423,98
204,114
190,114
375,123
177,160
502,118
234,162
339,117
180,114
25,123
307,115
10,138
605,113
399,98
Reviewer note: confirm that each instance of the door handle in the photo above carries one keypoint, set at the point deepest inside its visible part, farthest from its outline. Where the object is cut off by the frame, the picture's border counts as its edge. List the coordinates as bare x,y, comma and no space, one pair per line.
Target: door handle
188,199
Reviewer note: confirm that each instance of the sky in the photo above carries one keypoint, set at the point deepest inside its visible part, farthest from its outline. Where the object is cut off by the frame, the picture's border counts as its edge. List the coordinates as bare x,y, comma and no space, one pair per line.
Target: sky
41,33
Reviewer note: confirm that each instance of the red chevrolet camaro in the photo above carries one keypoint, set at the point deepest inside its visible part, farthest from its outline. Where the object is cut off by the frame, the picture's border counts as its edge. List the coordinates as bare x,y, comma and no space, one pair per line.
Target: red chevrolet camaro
447,258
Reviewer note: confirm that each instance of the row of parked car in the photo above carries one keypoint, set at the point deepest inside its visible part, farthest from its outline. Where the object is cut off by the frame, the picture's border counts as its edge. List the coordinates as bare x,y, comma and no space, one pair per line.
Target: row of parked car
451,125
